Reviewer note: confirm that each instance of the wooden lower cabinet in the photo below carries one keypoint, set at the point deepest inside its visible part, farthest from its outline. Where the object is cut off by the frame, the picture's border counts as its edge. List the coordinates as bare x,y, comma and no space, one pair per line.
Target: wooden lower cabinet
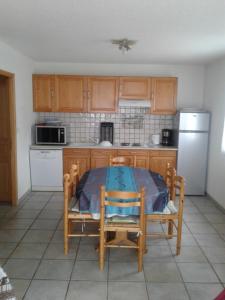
142,157
72,156
100,158
155,160
158,160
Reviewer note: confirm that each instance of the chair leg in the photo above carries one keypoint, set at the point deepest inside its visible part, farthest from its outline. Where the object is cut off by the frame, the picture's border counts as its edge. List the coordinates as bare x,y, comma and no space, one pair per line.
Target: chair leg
102,250
66,238
170,229
179,233
145,250
140,252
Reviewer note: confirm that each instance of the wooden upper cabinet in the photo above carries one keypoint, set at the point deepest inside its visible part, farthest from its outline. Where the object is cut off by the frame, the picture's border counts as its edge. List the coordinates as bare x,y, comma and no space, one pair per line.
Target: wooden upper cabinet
43,93
135,88
164,94
102,94
70,91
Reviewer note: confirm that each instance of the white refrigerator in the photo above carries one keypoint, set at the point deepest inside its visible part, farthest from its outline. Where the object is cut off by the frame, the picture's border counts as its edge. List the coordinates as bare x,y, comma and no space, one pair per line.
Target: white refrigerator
193,136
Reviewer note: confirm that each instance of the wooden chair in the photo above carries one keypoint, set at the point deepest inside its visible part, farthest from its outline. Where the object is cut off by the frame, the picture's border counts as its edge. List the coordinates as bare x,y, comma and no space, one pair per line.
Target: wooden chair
122,226
122,161
170,174
72,217
118,161
173,219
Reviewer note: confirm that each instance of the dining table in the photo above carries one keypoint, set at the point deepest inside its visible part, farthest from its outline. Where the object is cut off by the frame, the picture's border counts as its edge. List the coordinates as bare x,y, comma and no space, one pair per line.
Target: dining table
121,178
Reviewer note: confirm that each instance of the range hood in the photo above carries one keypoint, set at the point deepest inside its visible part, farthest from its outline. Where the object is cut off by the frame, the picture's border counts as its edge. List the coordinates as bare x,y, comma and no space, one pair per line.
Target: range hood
134,103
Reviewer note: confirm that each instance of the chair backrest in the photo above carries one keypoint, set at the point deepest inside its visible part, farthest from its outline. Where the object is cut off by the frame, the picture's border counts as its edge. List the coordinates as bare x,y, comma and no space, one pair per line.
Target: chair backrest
119,161
70,183
74,175
178,188
118,195
178,185
170,175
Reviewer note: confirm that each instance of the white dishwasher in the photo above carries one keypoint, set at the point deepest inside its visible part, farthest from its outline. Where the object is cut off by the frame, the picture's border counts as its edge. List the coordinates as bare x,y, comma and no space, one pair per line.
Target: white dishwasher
46,167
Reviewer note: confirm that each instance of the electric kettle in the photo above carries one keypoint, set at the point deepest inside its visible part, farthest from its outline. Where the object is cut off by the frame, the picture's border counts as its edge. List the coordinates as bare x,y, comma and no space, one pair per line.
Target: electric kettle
156,139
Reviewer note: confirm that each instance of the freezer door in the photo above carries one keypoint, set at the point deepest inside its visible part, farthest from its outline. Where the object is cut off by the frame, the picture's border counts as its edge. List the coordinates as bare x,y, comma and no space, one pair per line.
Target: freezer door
194,121
192,161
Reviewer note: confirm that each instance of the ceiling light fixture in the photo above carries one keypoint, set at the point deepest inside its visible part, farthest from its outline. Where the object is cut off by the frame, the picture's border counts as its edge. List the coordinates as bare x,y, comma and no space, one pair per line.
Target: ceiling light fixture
124,44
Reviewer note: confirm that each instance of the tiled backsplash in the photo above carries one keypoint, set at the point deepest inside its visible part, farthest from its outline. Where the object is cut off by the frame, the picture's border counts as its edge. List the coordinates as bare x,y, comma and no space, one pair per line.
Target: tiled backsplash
131,125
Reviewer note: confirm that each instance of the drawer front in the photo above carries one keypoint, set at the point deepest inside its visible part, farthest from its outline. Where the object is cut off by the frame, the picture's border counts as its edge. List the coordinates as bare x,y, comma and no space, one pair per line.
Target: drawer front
167,153
77,152
132,152
103,152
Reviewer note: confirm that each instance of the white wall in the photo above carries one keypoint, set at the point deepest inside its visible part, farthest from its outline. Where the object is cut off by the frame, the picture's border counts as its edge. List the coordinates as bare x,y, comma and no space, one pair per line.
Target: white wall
190,78
14,62
215,102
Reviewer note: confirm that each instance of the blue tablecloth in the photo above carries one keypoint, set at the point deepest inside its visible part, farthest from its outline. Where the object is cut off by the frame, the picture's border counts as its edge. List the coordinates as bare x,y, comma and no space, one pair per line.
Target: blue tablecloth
124,179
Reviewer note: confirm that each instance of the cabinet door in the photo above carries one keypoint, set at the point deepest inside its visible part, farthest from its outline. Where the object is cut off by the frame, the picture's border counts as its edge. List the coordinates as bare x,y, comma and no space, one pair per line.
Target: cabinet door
134,88
70,93
158,161
100,158
164,94
43,93
102,94
141,157
72,156
142,161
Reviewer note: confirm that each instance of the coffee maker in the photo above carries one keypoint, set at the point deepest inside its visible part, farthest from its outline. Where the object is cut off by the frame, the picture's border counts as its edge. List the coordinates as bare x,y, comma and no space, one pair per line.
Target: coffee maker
167,137
106,132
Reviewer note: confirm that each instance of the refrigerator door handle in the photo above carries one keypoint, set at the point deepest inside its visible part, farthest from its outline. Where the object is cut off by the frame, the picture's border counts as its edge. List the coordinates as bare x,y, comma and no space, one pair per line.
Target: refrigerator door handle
193,131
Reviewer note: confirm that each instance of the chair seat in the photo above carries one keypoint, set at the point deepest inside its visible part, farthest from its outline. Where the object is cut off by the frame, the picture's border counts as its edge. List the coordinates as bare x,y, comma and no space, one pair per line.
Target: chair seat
78,216
119,219
122,227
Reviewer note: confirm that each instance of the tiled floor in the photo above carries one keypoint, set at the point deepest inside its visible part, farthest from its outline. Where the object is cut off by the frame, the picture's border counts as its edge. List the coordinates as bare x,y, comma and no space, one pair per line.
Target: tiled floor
31,252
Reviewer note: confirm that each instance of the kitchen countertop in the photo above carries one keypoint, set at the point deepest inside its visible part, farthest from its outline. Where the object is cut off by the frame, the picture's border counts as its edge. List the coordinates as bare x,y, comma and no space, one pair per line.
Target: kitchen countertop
97,146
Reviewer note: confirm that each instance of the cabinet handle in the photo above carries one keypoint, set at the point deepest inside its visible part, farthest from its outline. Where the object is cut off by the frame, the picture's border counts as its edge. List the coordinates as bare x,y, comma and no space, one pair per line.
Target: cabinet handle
52,93
58,135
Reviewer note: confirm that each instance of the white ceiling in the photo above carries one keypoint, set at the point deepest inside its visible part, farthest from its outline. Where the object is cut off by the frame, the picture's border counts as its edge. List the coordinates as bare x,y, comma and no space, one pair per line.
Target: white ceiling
167,31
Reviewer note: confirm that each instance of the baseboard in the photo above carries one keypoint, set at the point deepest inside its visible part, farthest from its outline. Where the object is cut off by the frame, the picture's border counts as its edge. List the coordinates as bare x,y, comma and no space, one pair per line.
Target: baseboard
216,203
25,195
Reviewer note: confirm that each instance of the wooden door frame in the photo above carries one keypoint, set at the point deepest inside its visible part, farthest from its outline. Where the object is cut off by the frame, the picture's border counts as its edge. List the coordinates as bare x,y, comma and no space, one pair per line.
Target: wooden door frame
12,117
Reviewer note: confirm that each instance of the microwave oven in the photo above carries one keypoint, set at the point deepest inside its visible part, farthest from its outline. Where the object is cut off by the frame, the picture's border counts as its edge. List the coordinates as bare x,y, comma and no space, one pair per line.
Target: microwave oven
51,135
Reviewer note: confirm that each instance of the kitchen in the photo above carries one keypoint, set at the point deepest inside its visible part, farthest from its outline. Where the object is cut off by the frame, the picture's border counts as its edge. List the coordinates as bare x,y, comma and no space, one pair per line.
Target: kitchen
200,85
130,126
